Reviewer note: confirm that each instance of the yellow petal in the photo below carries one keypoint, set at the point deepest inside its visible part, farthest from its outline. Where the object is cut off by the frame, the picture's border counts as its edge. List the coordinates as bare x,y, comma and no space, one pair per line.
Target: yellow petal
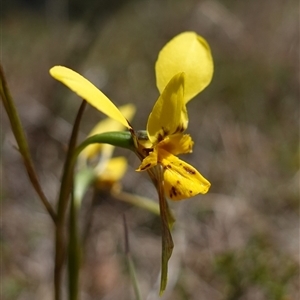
165,118
114,171
189,53
107,125
177,144
181,180
149,161
85,89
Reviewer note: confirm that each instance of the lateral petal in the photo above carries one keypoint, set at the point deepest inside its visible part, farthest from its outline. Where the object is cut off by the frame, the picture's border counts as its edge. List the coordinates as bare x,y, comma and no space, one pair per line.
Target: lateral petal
85,89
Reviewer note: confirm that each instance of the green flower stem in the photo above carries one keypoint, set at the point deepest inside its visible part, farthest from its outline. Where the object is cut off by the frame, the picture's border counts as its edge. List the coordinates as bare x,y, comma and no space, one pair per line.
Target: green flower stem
119,139
66,186
167,221
83,179
74,251
22,142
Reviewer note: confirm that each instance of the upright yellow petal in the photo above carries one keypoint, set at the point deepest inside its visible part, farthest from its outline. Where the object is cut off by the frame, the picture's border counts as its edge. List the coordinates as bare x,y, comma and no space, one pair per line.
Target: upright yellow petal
85,89
189,53
165,118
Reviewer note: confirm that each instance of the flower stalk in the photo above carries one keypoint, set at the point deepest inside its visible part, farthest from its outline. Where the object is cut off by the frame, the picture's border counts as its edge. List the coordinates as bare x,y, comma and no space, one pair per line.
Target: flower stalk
23,148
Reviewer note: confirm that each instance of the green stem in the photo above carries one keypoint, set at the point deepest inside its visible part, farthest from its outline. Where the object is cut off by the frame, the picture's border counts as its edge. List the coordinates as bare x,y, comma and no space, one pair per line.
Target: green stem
120,139
82,181
74,251
66,185
19,134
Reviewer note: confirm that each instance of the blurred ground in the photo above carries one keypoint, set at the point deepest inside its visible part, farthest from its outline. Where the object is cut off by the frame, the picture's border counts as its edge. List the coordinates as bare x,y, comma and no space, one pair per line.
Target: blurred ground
241,240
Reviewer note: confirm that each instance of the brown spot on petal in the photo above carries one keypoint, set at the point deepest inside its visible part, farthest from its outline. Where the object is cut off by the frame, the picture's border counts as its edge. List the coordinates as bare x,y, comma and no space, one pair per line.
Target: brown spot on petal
145,167
147,151
173,192
166,132
160,137
168,167
189,170
179,128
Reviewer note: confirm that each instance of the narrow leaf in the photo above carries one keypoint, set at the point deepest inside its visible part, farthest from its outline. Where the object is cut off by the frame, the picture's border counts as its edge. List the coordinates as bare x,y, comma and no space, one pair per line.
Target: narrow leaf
167,241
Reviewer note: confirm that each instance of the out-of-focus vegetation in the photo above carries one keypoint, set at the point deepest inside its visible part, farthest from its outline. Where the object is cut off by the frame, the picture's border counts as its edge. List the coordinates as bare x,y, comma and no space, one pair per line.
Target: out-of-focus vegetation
240,241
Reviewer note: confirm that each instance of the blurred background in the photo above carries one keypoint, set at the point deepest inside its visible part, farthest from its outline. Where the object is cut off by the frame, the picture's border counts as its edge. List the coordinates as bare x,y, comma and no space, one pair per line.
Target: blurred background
241,240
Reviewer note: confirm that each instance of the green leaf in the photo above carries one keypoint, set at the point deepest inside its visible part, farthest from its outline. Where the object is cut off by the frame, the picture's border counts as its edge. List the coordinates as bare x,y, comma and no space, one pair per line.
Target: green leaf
83,180
121,139
167,221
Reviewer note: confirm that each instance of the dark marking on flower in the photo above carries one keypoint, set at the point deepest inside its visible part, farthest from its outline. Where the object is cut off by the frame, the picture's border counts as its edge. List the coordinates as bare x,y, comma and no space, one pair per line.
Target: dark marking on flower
145,167
180,128
168,167
160,137
178,182
147,151
189,170
173,192
166,132
191,192
162,134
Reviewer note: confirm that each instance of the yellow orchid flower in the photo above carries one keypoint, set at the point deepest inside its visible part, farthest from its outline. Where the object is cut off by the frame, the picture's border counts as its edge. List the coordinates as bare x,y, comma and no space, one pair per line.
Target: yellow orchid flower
165,130
183,69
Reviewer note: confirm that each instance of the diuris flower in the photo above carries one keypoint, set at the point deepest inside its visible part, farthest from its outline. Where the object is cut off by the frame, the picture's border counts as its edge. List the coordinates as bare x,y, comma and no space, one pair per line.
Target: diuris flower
183,69
165,127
